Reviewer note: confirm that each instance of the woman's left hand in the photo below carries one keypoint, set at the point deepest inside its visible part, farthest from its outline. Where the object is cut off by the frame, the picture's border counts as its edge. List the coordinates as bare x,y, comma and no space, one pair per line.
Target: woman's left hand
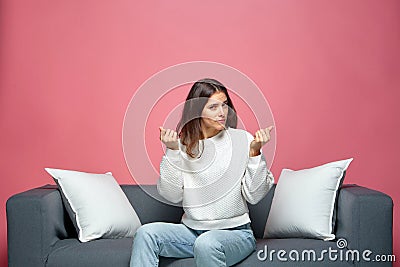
261,137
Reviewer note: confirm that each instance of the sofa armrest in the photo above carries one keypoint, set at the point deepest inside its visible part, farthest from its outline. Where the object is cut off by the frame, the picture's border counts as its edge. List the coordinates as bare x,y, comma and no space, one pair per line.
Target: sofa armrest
36,219
365,219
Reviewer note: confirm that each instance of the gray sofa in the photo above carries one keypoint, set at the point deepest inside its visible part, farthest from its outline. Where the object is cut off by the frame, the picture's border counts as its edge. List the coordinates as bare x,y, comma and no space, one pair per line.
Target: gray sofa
40,232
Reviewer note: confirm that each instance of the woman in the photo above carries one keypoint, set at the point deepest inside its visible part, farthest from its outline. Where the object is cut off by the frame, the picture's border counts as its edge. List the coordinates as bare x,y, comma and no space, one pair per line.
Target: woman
213,168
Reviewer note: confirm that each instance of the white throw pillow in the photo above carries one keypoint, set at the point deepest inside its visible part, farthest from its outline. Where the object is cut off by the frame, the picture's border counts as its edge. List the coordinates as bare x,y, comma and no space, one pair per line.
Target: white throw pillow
99,206
304,202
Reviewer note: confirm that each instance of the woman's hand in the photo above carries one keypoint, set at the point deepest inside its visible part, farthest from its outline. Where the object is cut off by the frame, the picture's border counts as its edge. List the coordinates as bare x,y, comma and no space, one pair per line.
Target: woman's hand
261,137
169,138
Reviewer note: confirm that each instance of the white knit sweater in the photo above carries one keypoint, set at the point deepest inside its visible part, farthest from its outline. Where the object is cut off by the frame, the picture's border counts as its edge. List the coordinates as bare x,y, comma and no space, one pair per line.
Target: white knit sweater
214,187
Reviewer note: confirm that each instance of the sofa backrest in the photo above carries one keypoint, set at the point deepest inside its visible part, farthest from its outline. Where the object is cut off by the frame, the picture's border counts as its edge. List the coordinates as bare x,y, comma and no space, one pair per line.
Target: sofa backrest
151,210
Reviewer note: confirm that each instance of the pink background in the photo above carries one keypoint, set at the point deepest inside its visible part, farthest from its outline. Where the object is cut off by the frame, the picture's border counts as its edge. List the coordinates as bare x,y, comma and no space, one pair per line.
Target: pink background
68,69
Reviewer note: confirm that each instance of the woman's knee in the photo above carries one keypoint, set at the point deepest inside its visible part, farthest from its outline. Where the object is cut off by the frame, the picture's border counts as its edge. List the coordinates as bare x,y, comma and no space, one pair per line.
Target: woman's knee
147,231
206,244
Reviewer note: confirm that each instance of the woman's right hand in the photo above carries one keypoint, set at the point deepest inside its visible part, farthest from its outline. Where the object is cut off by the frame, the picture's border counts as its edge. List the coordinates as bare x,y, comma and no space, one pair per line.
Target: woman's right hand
169,138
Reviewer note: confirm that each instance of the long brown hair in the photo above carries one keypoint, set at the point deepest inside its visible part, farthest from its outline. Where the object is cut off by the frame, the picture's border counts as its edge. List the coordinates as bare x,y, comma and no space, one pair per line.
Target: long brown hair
189,126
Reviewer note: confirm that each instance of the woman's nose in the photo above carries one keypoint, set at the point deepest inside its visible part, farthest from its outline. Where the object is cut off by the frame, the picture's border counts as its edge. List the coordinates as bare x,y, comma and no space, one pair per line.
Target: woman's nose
221,111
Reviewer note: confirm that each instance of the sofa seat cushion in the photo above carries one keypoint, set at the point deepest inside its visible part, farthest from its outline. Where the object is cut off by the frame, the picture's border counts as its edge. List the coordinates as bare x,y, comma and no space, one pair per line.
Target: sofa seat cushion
100,253
96,253
117,252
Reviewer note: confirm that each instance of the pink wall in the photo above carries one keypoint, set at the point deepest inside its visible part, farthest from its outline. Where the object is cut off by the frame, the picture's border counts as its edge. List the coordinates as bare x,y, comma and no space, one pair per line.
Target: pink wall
68,69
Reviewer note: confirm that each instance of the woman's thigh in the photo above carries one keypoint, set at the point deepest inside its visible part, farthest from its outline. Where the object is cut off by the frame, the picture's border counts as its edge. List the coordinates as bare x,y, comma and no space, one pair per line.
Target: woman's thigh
172,240
236,244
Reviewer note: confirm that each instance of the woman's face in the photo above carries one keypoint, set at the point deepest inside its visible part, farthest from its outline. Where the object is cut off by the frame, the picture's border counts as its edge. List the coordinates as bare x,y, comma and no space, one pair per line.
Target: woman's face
214,114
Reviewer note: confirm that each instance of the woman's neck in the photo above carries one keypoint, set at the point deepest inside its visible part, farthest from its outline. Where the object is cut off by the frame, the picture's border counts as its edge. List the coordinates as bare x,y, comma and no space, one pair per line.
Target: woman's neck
208,133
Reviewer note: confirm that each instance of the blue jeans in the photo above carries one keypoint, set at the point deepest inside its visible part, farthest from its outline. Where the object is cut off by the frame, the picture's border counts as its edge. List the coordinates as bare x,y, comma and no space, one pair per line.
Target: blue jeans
209,248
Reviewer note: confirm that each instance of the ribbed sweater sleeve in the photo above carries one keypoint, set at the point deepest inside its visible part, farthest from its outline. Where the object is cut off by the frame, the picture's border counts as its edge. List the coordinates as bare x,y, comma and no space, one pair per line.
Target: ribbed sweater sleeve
257,179
170,184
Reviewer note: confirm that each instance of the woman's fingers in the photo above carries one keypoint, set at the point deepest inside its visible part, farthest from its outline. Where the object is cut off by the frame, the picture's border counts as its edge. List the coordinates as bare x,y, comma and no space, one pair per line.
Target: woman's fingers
169,138
162,132
168,134
259,136
171,135
263,135
266,133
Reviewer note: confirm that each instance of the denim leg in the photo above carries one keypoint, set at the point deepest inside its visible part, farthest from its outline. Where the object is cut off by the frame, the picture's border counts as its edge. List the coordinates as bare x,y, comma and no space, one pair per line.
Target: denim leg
223,247
161,239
